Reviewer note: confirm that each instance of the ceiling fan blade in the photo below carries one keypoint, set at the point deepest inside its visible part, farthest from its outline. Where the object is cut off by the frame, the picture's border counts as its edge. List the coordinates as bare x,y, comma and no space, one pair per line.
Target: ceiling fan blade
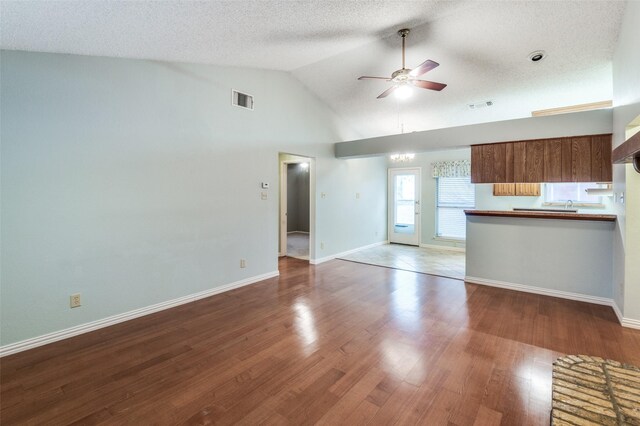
387,92
431,85
427,65
366,77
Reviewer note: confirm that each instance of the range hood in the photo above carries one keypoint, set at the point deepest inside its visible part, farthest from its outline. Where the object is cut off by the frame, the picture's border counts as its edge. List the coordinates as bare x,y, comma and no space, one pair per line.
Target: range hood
629,151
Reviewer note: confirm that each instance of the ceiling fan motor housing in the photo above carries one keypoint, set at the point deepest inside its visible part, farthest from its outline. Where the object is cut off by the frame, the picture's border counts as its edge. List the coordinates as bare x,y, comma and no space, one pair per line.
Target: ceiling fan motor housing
401,75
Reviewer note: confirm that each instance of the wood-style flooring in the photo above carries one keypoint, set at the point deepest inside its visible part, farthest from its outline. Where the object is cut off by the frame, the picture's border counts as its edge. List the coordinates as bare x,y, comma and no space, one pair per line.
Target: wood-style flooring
338,343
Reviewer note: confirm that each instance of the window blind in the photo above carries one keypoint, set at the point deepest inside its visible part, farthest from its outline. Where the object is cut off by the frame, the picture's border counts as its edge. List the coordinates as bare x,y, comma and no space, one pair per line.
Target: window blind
454,195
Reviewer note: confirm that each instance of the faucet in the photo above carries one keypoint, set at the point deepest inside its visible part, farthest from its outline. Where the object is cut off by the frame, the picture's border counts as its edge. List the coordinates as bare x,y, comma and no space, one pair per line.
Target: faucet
568,204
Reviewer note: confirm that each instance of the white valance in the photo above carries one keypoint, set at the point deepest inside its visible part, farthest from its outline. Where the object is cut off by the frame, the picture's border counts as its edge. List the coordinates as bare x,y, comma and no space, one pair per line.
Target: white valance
458,168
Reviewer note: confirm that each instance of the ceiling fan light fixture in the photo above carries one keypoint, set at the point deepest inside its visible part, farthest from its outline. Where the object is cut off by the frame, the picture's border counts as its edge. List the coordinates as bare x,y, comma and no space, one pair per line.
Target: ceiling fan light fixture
403,91
405,78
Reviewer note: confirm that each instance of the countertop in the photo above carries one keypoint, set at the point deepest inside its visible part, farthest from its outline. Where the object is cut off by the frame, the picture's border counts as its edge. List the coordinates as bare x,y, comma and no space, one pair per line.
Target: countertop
543,215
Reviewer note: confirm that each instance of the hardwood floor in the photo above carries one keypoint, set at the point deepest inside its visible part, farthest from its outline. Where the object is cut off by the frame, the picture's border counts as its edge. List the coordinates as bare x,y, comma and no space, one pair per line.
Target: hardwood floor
338,343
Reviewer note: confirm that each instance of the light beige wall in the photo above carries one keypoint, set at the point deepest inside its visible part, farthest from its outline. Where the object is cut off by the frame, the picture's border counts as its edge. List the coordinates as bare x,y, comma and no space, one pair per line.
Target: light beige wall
626,100
139,178
632,249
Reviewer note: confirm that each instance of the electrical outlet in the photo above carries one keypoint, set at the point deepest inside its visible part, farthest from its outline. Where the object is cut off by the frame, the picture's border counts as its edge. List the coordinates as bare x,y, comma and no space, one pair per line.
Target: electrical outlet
263,195
74,300
243,263
357,195
321,246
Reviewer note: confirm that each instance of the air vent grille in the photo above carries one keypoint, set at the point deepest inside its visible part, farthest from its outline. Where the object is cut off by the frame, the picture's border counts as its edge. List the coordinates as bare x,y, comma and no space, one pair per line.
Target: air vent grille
241,100
479,105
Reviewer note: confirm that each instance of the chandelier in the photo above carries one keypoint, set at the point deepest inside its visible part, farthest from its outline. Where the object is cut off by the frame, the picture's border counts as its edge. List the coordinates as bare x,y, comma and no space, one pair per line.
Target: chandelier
402,158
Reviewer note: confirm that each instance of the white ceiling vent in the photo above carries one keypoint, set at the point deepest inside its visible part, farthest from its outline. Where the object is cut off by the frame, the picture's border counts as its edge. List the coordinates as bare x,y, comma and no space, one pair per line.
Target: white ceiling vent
479,105
241,100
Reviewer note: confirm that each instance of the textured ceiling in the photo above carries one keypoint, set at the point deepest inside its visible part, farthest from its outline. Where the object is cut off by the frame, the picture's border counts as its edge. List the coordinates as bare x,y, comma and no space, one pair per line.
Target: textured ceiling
274,34
482,48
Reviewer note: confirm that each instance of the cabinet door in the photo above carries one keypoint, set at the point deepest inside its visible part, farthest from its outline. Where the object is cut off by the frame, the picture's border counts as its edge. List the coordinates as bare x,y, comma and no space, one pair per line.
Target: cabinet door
508,150
519,161
493,163
476,164
567,163
553,160
528,189
601,170
499,163
581,159
576,159
504,189
534,161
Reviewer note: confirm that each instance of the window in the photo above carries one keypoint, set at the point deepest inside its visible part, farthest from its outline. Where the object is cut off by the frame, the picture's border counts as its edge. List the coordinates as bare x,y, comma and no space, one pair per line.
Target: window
454,195
576,192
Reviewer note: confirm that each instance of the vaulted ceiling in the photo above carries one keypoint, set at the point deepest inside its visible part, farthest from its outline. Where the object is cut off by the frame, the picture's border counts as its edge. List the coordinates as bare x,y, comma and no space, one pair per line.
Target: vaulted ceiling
482,48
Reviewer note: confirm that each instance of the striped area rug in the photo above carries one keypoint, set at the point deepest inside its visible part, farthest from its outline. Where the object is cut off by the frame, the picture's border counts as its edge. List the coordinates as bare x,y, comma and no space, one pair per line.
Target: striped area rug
589,390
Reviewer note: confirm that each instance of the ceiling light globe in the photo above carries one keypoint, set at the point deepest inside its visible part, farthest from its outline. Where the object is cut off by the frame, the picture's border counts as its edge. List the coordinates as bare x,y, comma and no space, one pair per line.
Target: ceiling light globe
403,92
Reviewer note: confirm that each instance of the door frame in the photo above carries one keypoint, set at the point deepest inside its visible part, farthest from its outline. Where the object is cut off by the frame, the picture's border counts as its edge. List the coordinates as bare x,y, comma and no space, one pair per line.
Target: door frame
282,216
391,202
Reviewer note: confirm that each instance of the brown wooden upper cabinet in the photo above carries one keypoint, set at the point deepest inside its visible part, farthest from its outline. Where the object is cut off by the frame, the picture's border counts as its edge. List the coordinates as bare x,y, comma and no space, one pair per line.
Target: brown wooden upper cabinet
573,159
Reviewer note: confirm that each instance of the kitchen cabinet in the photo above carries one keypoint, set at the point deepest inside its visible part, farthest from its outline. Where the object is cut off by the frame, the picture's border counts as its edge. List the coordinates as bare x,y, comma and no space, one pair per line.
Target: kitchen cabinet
534,161
493,163
568,159
581,159
553,160
504,189
528,189
519,189
476,155
601,161
519,161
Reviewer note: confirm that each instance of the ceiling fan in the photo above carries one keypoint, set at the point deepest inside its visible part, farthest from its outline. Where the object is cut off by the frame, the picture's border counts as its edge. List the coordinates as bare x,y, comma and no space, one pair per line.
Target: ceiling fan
404,78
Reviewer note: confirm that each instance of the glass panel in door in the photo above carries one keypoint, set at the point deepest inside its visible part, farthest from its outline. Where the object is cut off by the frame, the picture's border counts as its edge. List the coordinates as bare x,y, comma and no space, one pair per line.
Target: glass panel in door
404,206
405,199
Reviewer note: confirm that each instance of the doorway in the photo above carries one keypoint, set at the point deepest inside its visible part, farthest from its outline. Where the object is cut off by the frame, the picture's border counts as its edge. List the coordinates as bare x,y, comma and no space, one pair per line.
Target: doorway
404,206
295,206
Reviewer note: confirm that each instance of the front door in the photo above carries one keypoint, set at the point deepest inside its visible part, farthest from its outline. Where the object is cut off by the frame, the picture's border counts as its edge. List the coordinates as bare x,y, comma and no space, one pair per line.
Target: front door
404,206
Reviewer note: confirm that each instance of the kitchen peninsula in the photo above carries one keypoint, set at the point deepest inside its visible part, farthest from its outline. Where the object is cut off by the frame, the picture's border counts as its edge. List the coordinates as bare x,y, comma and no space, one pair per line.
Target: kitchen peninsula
555,253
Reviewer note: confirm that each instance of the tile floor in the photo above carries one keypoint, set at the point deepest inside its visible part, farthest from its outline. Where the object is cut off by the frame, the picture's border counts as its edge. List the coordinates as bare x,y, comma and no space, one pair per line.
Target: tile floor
445,263
298,245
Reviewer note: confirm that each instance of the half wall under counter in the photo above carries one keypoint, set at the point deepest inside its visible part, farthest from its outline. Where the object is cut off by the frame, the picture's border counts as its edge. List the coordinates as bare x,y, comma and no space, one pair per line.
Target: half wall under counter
540,253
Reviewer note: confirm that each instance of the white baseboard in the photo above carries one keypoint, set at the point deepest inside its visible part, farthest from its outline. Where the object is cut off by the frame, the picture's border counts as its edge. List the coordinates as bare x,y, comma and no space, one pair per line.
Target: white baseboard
298,257
45,339
616,309
345,253
543,291
630,323
437,247
625,322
